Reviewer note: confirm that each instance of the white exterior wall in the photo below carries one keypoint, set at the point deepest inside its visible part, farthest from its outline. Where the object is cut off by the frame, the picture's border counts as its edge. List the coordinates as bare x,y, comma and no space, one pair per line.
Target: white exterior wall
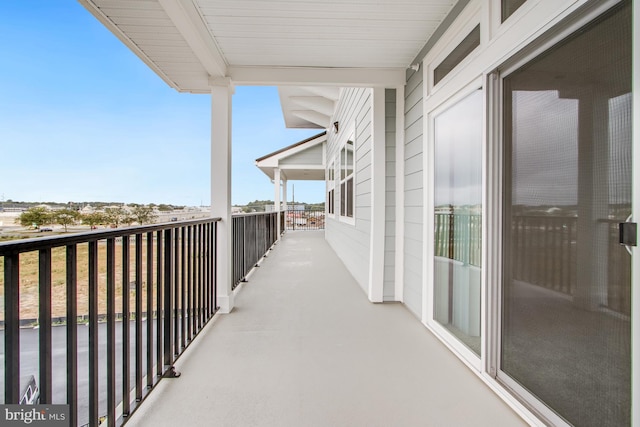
390,196
351,240
413,194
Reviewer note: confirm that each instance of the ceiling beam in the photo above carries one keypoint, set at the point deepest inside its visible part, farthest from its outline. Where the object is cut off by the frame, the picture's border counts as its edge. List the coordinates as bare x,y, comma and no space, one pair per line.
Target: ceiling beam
187,19
314,76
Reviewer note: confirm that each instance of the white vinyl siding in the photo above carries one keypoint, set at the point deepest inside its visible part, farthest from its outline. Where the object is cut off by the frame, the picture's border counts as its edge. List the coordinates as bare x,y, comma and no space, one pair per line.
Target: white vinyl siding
390,196
413,194
351,241
310,156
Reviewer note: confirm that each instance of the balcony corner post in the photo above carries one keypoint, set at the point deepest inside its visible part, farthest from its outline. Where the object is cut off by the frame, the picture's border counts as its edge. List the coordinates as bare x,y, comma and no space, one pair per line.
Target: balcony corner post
276,203
221,95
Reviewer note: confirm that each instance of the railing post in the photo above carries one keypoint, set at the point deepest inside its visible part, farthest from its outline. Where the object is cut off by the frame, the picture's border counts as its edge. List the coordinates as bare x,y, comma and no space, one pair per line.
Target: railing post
72,333
149,309
126,340
183,285
111,333
44,323
169,370
159,303
12,329
215,268
93,335
138,323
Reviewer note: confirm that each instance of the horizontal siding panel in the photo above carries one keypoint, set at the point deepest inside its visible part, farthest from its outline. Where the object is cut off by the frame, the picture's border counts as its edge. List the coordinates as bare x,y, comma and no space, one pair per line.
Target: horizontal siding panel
413,181
412,150
414,164
364,161
390,215
364,175
413,214
414,81
390,158
413,114
413,197
413,231
413,133
389,243
363,200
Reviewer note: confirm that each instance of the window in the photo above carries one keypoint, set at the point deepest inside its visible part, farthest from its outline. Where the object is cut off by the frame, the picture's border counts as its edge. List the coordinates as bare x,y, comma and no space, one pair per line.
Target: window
510,6
331,189
346,179
458,219
461,51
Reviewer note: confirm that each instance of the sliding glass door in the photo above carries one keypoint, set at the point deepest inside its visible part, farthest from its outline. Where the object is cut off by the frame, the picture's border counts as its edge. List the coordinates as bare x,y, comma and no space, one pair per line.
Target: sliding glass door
567,186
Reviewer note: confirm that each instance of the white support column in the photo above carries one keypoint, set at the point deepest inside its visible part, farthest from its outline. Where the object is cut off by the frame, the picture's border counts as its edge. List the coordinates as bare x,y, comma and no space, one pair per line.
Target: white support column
276,202
378,188
399,261
284,198
221,187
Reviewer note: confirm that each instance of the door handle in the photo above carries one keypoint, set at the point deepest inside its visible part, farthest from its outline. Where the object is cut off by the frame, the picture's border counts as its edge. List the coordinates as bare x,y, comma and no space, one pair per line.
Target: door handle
628,234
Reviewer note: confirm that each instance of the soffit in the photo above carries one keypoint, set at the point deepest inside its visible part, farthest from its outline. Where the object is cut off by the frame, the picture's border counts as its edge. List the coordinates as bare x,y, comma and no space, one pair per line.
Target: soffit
310,43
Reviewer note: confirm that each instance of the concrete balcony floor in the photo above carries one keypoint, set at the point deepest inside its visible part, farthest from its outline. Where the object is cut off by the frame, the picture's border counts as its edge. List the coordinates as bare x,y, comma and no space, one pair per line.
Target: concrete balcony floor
304,347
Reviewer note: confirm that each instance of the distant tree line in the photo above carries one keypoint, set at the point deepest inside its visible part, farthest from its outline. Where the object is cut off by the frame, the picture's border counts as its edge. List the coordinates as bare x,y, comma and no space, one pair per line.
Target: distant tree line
112,216
259,205
163,207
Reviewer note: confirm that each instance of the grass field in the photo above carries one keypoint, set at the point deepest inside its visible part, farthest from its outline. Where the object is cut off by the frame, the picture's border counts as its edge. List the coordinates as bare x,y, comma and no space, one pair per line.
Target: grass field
29,271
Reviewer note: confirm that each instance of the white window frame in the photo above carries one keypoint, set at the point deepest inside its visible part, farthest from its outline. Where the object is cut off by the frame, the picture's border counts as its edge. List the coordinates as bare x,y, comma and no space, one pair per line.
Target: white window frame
343,180
468,356
331,189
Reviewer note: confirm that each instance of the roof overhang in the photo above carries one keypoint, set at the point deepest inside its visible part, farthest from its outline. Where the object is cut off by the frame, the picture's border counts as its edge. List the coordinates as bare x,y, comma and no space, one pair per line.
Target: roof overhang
312,169
302,47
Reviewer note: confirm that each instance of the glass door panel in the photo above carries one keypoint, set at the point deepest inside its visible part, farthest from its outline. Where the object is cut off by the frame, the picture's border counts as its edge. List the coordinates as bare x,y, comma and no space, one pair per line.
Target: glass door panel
566,280
458,219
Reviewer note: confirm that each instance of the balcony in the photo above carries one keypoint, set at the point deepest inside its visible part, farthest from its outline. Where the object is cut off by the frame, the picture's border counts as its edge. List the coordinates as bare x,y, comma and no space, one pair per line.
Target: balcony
303,346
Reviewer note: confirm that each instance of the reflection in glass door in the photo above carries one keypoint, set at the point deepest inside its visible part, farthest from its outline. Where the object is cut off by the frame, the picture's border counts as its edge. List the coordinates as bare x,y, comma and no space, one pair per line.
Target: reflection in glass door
566,280
458,219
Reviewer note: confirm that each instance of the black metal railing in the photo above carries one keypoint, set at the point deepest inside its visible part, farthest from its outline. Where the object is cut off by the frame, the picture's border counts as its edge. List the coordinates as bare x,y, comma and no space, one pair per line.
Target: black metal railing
545,251
104,371
253,235
307,219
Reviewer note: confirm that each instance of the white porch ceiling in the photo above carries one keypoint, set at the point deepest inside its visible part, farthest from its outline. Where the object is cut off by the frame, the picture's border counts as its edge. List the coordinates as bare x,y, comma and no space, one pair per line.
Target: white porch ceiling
191,43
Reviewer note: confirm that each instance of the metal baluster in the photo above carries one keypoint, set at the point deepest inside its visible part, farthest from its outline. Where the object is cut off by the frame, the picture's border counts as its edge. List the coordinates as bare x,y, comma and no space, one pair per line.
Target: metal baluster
12,329
44,321
150,310
93,334
138,323
72,334
111,333
126,339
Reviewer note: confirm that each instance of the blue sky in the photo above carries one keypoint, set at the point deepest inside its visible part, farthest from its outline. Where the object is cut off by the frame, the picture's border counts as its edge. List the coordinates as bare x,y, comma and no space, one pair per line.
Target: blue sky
82,118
